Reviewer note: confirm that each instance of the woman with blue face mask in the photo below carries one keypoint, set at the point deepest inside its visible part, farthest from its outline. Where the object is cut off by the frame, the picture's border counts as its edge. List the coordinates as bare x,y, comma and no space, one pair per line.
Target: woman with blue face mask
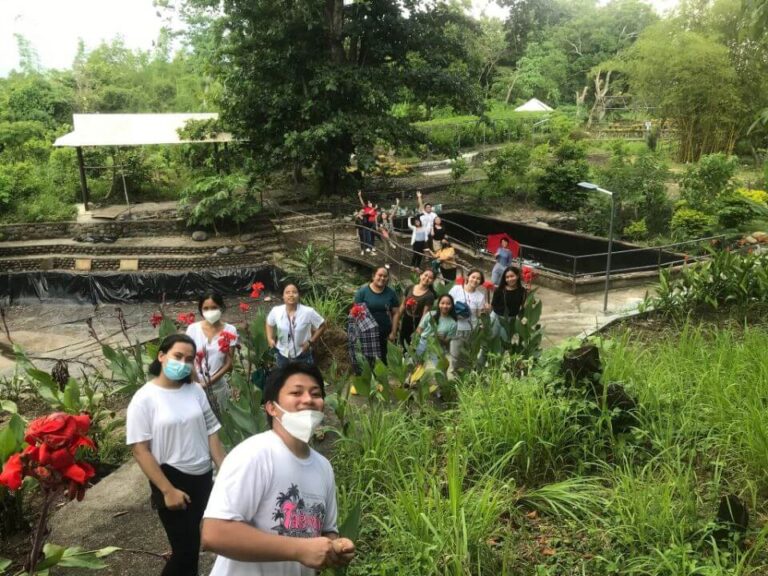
173,434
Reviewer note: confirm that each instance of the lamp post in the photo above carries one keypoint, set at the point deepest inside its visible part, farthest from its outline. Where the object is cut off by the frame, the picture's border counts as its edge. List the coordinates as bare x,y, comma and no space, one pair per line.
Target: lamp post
590,186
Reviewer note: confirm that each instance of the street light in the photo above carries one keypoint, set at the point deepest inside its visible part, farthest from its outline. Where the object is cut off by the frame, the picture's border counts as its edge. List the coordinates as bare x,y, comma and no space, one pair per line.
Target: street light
590,186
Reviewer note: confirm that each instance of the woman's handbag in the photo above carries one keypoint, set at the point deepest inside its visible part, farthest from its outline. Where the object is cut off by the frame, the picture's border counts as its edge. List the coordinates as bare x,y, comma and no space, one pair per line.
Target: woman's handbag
461,309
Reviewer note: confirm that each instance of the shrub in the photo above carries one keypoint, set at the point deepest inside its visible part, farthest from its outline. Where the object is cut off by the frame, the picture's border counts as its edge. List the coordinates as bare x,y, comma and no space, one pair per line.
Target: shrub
728,279
637,230
558,186
511,162
641,186
705,182
459,167
734,211
689,223
46,206
757,196
221,199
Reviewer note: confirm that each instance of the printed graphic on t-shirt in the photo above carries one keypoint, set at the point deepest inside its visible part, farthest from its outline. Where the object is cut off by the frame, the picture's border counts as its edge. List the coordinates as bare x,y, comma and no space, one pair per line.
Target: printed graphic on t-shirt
295,518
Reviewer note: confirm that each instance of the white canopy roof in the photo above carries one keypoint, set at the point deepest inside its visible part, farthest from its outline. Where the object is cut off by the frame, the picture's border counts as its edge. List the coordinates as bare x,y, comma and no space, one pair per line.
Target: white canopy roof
132,129
534,105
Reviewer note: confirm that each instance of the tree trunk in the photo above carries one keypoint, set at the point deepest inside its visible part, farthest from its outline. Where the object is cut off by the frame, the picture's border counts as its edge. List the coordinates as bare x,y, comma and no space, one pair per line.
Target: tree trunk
334,21
509,90
298,174
601,91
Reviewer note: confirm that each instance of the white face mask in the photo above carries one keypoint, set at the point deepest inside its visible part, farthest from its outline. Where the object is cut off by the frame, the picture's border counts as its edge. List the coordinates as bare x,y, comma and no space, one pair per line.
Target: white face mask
302,424
212,316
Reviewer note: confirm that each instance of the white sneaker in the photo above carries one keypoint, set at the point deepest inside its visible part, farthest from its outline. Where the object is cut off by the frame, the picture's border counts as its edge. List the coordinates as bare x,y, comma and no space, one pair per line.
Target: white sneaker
362,252
367,249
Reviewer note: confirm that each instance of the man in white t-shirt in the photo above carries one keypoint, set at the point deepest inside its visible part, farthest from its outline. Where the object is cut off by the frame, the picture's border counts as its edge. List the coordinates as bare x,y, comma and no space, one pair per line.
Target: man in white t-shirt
427,216
272,511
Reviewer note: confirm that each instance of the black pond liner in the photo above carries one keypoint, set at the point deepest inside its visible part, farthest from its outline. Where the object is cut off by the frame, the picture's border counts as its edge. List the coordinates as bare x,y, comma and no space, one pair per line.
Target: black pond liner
557,249
132,287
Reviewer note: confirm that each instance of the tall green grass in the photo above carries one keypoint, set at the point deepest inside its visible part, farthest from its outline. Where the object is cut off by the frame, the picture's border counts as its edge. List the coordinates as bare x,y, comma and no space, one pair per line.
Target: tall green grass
521,477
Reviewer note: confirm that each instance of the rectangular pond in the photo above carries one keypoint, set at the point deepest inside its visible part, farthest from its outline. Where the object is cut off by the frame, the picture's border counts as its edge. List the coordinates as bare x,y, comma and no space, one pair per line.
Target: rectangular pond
570,253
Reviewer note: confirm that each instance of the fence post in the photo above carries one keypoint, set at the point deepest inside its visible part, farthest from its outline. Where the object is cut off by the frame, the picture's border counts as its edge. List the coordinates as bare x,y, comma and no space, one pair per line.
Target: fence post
658,261
573,281
333,251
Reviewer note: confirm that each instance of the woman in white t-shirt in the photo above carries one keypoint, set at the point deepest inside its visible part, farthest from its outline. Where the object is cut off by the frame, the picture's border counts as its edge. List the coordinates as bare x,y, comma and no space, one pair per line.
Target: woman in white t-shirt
215,341
473,295
273,509
292,329
173,434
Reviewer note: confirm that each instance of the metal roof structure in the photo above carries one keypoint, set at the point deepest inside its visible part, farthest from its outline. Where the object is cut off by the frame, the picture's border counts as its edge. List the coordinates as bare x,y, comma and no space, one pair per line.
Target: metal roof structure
133,130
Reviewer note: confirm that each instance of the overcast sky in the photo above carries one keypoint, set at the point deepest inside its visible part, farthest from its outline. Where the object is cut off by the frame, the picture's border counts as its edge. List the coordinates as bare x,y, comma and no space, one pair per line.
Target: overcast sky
53,26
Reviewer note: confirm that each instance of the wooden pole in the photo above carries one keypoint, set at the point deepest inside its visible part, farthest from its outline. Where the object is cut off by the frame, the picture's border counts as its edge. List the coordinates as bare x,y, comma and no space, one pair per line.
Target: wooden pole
83,181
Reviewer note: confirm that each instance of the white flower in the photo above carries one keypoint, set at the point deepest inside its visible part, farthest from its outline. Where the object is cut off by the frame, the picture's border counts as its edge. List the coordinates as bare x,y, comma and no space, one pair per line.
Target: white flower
524,321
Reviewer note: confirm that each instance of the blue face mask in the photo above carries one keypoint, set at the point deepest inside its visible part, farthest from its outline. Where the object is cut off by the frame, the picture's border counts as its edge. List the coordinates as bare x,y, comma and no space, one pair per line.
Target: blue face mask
175,370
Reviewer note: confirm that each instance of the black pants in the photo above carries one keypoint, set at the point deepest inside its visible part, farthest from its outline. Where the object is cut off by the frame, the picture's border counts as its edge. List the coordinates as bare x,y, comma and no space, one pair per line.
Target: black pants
183,526
407,328
418,253
448,274
384,345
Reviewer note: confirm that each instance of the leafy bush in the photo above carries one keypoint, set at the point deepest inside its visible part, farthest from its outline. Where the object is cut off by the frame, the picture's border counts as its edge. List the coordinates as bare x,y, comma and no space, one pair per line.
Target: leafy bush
734,211
706,181
451,134
221,199
728,278
757,196
459,167
641,188
689,223
637,230
558,186
511,163
46,206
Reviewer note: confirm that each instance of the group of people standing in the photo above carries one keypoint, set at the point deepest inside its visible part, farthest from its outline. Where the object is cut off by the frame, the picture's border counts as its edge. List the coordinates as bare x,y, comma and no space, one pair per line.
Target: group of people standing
272,508
428,235
379,316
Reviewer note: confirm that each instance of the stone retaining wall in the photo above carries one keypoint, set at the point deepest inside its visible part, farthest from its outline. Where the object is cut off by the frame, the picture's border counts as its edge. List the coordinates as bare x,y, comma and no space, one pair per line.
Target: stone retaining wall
105,264
123,229
87,249
44,230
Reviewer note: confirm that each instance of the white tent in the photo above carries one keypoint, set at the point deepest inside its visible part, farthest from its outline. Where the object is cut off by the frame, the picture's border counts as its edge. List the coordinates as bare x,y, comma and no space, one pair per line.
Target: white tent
534,105
132,129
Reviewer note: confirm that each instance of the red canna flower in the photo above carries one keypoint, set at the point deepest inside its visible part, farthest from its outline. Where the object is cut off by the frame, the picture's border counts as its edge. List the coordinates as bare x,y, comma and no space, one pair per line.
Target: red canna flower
52,455
156,319
459,281
244,307
57,430
488,285
186,318
225,341
411,302
199,357
256,289
358,311
529,274
12,474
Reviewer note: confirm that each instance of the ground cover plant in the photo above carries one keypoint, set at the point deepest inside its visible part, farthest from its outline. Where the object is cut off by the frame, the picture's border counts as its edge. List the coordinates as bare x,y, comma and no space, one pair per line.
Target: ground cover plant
519,476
